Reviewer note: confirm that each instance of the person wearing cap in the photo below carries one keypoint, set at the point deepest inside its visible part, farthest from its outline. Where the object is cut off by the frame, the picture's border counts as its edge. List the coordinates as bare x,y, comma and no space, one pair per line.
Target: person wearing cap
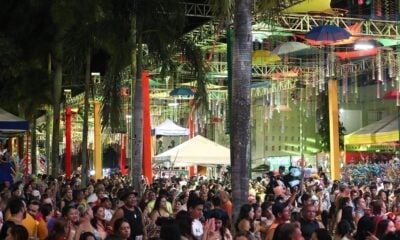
35,195
132,213
281,212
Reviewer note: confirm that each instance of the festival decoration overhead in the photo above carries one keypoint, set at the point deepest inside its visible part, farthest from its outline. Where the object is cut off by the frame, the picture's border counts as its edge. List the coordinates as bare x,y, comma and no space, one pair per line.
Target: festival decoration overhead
357,54
391,95
327,34
289,47
182,91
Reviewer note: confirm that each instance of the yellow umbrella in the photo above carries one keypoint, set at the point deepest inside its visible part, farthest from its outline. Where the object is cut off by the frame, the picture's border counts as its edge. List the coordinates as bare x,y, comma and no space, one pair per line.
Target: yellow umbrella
309,6
261,57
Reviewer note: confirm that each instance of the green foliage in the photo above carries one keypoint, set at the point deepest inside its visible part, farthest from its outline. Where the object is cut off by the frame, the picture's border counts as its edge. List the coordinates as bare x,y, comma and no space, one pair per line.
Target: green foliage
24,47
323,121
222,9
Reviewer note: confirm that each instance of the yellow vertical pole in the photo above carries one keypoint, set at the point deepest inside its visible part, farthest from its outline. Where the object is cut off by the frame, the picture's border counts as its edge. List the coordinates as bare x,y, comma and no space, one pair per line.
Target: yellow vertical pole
97,141
12,147
334,130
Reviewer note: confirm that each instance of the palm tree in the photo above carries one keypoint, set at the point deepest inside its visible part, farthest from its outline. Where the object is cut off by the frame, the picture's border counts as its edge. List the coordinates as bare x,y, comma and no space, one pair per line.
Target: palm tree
62,16
240,105
154,23
83,36
240,114
23,47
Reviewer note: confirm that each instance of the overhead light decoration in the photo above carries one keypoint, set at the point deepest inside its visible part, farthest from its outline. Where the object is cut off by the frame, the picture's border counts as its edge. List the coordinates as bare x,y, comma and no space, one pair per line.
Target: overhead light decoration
174,104
364,45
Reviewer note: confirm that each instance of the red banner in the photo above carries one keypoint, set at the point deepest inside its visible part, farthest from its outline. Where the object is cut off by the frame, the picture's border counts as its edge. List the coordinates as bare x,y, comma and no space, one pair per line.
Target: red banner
122,159
147,162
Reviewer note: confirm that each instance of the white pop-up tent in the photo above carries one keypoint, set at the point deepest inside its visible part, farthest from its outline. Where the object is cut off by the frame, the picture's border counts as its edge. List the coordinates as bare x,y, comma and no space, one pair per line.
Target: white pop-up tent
11,125
169,128
196,151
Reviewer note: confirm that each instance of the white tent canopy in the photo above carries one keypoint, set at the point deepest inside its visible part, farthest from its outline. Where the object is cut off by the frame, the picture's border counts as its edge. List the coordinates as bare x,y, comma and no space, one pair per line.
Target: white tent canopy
196,151
169,128
11,124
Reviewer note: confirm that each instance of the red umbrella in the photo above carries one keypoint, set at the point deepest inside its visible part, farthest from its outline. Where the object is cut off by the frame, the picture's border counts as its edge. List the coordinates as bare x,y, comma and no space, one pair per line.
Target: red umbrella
392,95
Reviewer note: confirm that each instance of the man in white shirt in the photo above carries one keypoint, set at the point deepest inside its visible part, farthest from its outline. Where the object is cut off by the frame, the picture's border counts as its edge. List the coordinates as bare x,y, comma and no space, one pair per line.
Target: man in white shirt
195,207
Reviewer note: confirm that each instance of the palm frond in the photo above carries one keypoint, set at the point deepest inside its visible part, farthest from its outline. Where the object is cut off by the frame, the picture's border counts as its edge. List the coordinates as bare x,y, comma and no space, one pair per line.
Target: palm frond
221,9
195,56
112,101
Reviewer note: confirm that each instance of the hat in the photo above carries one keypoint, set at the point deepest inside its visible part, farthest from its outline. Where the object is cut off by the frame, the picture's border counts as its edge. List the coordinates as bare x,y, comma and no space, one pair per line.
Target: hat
122,195
92,198
36,193
386,181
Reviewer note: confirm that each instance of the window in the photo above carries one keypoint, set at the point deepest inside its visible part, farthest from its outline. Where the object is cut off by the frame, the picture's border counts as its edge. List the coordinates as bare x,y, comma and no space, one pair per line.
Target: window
286,138
266,148
273,148
292,138
292,148
286,148
280,138
279,148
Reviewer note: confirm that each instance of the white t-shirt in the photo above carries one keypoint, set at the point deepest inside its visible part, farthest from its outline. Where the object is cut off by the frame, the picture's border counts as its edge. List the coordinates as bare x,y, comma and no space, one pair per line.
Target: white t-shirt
107,214
197,229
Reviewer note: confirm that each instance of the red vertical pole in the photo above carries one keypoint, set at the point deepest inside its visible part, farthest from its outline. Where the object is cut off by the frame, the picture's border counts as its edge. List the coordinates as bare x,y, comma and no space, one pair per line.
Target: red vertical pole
122,157
191,135
27,158
147,161
68,116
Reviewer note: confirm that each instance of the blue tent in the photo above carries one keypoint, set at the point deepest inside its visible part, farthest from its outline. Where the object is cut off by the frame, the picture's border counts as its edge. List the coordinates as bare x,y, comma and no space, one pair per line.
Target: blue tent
11,124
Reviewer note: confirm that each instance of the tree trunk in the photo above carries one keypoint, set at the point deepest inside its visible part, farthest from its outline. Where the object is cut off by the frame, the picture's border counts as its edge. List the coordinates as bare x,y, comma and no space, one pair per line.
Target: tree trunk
240,118
85,129
132,94
33,145
138,121
48,140
57,86
48,122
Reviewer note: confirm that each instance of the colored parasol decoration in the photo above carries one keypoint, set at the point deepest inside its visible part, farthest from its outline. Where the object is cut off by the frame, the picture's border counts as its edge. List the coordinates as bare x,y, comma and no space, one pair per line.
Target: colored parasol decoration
327,34
391,95
289,47
357,54
182,91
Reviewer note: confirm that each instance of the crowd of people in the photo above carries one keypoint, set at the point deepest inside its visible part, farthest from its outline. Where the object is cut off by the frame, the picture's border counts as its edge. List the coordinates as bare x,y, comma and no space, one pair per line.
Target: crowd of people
279,208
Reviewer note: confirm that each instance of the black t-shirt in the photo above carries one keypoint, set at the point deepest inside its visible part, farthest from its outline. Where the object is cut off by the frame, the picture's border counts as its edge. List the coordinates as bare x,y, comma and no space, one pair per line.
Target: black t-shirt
4,229
308,227
135,221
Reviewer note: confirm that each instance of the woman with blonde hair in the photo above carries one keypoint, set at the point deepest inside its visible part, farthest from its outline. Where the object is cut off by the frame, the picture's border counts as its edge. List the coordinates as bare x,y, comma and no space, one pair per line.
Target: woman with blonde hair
86,215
